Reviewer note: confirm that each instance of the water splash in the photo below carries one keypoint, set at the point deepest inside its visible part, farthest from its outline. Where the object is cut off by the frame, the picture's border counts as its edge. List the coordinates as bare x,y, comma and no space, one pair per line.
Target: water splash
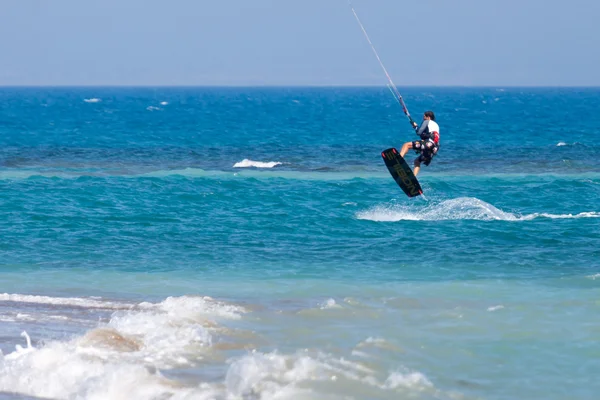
463,208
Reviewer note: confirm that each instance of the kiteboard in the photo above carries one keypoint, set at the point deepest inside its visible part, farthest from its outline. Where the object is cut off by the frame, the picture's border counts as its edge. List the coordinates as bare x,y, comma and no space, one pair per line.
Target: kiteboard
401,172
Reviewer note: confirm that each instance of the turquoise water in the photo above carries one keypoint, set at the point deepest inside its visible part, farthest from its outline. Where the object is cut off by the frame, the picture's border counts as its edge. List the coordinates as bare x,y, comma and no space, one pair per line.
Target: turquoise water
249,243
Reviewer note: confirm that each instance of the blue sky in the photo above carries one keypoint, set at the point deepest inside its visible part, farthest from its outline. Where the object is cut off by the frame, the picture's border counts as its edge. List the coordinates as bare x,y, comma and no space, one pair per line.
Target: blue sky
304,42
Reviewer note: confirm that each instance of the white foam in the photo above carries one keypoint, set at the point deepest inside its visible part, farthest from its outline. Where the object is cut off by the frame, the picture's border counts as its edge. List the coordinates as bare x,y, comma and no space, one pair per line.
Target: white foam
466,208
171,332
376,342
245,163
266,375
412,380
372,341
495,308
561,144
65,301
60,371
121,358
152,108
590,214
92,100
357,353
329,303
197,307
164,103
593,277
20,350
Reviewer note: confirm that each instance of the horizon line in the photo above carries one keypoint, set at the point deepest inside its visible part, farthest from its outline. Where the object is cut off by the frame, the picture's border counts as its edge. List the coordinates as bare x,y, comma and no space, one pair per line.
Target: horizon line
153,86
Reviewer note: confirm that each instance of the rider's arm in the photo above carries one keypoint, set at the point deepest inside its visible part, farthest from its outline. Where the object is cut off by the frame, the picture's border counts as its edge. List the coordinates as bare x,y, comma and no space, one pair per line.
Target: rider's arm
422,131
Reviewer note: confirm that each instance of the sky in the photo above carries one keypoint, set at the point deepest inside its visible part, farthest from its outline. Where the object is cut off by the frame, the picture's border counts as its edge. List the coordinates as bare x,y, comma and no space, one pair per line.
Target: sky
299,42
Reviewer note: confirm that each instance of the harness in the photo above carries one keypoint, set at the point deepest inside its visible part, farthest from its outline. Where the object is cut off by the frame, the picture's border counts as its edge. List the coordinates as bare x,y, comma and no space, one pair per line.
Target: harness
430,143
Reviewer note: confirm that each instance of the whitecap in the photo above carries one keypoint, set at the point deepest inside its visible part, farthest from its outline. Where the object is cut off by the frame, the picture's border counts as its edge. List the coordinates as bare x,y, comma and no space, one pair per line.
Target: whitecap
559,144
92,100
246,163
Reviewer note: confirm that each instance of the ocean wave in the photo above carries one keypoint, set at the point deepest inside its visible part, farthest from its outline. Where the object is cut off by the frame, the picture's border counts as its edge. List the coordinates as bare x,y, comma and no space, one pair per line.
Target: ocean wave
61,370
245,163
257,169
266,173
92,100
126,356
274,374
120,358
65,301
465,208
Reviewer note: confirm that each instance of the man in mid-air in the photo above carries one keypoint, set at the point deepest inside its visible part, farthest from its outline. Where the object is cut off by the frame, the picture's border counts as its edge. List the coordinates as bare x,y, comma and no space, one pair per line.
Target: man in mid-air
428,146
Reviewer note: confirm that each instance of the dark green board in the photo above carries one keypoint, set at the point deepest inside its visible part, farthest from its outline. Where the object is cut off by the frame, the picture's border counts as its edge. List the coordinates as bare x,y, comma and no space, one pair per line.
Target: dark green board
401,172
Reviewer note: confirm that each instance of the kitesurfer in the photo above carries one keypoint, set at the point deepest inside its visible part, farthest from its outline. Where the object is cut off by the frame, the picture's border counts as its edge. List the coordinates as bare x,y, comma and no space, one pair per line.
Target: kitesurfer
428,146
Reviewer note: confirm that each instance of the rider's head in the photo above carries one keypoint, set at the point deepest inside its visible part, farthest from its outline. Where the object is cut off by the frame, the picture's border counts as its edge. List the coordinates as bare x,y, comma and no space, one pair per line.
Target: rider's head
429,115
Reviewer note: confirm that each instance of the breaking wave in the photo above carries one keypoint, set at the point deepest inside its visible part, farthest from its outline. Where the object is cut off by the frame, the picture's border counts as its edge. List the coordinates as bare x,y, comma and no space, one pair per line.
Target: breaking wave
119,358
125,357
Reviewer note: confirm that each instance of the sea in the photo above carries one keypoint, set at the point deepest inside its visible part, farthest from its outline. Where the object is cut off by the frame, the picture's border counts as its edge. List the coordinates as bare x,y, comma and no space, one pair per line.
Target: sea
249,243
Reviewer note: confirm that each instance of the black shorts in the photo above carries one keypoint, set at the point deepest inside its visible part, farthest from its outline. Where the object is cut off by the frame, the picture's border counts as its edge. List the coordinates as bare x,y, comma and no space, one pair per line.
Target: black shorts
424,158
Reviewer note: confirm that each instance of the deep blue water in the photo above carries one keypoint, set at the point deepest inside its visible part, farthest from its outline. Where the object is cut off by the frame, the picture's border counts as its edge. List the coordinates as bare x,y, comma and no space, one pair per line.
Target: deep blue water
122,207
